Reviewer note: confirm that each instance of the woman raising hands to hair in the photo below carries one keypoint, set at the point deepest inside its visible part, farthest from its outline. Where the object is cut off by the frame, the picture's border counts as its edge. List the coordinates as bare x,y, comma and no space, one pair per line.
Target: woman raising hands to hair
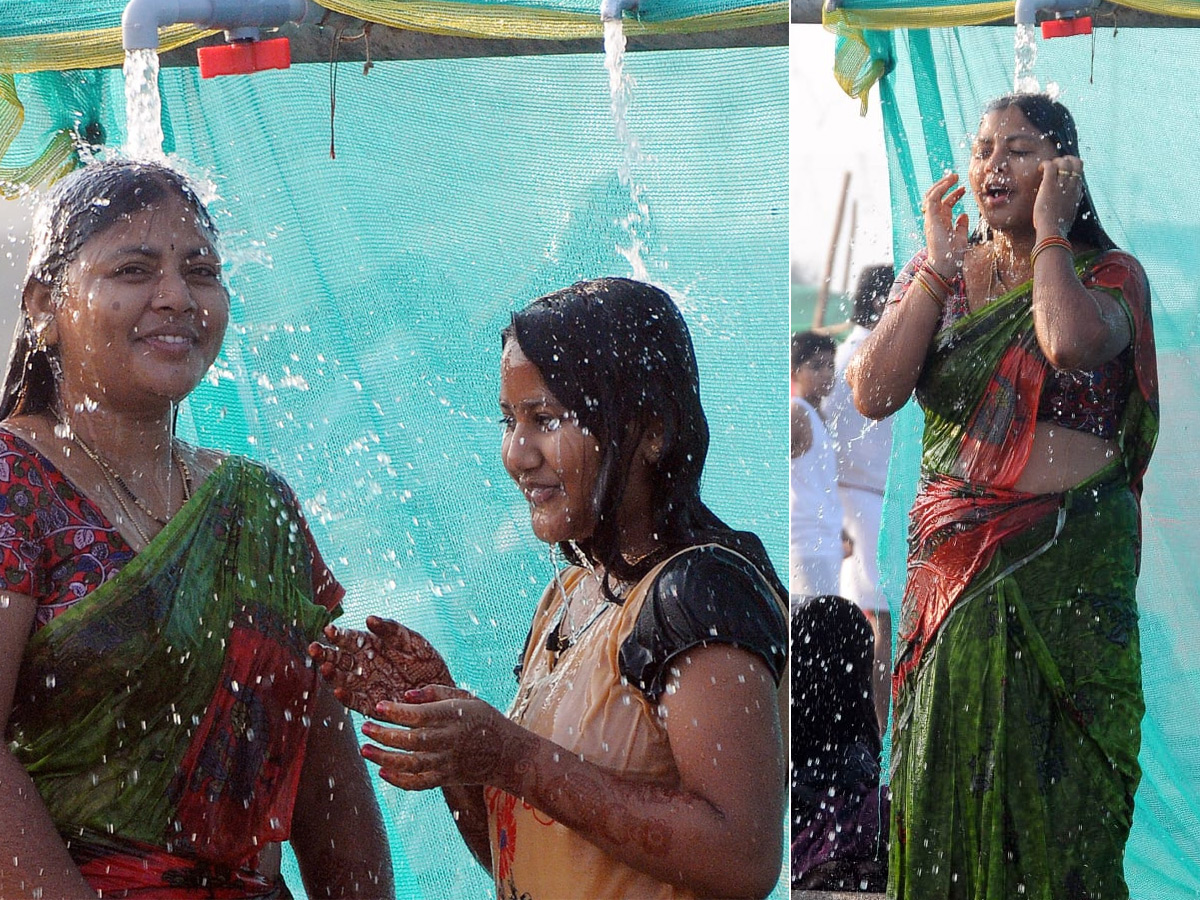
1017,685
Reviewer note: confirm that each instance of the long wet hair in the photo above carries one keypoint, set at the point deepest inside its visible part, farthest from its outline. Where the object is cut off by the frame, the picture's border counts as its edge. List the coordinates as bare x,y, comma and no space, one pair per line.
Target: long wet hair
833,708
1054,121
84,204
871,292
618,355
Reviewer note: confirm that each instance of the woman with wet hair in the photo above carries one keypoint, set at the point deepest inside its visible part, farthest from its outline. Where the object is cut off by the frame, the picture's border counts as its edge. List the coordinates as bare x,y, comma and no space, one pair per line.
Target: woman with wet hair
839,810
1017,684
164,729
642,756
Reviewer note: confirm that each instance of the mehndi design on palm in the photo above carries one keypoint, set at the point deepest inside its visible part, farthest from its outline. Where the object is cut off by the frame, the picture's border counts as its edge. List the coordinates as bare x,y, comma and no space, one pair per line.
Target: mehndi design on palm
368,667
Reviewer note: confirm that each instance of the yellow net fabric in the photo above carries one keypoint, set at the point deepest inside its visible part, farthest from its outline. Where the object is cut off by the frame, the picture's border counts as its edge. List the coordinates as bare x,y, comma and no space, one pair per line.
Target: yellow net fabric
857,67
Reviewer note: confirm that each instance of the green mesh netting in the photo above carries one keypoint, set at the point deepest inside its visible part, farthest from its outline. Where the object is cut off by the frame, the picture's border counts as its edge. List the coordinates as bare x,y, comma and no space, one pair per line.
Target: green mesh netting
369,291
1131,93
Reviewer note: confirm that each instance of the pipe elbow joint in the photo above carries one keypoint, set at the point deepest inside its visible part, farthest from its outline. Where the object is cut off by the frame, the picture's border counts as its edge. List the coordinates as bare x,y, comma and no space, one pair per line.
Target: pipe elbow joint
142,18
1025,11
140,21
611,10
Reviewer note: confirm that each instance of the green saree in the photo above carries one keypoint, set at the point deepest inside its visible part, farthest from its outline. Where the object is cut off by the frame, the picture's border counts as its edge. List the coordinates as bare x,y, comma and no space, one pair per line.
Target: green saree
1017,686
163,718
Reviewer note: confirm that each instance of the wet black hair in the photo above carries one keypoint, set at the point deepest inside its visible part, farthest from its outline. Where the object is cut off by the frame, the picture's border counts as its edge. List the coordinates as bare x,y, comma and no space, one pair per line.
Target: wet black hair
84,204
617,354
874,284
1054,121
807,344
833,652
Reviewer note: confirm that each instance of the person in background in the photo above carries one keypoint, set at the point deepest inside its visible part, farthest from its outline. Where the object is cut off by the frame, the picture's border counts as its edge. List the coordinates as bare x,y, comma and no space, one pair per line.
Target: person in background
863,447
164,730
816,549
839,809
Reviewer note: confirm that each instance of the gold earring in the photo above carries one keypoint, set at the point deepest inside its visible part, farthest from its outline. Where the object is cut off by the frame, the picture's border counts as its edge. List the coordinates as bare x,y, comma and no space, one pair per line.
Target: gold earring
654,450
39,328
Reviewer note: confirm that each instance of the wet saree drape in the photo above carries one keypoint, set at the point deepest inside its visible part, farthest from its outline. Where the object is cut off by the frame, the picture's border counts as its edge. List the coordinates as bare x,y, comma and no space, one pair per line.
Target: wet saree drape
163,718
1017,685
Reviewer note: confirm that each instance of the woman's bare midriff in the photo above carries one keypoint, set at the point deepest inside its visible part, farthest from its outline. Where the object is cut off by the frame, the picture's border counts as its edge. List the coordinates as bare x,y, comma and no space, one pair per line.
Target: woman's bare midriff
1062,458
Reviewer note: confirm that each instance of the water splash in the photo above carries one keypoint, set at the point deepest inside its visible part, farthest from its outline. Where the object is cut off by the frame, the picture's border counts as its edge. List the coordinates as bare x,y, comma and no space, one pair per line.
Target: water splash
618,88
1025,53
143,108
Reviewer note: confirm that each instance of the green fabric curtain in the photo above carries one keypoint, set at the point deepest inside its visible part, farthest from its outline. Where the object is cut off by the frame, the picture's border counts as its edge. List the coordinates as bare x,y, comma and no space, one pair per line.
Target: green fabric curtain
369,291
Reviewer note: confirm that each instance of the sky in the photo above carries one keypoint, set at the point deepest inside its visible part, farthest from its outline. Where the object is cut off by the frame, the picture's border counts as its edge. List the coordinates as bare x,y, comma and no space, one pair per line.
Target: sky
828,138
14,250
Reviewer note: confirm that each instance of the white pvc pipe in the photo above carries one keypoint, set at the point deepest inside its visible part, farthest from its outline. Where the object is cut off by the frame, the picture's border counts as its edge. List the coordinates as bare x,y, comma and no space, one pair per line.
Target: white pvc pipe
612,9
1026,11
142,18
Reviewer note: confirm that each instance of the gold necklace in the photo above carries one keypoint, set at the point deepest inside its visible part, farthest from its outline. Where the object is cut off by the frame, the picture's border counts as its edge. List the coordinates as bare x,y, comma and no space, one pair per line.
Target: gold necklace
565,634
128,514
995,277
118,485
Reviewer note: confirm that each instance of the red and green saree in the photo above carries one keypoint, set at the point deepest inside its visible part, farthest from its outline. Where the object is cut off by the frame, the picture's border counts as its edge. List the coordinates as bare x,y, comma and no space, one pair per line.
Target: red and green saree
1017,685
163,717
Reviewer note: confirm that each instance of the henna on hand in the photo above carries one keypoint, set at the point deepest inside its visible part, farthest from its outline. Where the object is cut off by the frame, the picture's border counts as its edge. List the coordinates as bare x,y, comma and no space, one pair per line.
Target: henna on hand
448,737
369,667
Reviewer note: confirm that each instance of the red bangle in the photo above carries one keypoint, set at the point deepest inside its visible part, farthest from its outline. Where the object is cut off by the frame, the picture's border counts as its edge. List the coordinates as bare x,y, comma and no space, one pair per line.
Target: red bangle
928,268
1046,243
920,280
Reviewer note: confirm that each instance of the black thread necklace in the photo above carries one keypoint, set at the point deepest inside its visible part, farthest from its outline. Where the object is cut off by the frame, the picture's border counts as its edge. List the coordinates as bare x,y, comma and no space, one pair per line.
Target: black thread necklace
119,487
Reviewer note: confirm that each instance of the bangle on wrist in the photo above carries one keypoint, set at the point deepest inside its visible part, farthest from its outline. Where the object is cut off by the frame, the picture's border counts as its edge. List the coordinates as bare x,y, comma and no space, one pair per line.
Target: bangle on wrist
921,280
938,278
1046,244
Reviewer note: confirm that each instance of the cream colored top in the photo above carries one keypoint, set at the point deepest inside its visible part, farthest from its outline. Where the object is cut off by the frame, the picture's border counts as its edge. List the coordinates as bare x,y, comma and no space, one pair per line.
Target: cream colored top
580,703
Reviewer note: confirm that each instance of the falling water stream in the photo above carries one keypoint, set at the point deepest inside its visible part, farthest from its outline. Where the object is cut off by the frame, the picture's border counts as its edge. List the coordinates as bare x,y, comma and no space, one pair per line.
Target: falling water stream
1025,52
143,108
618,87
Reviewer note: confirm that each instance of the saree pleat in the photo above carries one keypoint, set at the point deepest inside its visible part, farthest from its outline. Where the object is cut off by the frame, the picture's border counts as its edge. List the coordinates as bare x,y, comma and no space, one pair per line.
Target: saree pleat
1015,772
168,710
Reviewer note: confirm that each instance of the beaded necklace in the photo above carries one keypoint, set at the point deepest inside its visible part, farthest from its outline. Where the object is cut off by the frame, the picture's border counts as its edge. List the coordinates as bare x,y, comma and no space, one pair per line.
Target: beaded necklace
121,490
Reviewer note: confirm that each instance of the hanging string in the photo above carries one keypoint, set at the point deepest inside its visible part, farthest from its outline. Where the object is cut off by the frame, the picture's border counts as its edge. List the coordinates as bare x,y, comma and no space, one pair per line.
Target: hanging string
333,67
334,54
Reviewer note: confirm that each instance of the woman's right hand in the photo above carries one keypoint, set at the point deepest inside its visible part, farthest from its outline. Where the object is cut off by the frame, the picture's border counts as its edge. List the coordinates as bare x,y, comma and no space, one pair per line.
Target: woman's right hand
369,667
945,233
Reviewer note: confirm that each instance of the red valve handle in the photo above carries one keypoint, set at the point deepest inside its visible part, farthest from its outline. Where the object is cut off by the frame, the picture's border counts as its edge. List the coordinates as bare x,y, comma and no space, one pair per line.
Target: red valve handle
244,57
1052,28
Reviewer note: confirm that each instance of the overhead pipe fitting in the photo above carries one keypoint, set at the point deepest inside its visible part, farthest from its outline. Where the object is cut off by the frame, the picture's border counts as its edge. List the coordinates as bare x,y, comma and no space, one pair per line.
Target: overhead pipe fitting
240,20
610,10
1066,17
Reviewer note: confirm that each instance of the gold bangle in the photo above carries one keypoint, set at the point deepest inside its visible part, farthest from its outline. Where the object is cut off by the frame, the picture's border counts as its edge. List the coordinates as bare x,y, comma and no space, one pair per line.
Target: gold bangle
920,280
946,286
1047,243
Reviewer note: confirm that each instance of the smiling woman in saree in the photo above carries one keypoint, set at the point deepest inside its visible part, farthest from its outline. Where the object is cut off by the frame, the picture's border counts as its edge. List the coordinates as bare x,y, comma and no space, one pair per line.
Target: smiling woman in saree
1017,685
164,728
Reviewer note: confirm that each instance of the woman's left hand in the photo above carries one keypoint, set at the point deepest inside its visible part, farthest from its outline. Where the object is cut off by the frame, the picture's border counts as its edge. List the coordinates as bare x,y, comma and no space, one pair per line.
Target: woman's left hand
1058,195
446,736
366,667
